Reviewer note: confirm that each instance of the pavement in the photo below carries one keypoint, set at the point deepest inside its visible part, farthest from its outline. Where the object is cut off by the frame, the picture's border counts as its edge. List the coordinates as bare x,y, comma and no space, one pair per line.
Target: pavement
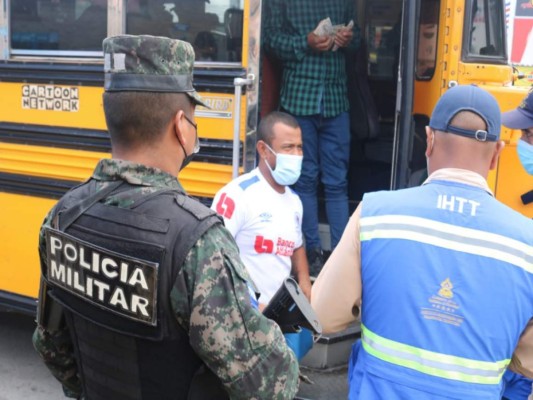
328,384
24,376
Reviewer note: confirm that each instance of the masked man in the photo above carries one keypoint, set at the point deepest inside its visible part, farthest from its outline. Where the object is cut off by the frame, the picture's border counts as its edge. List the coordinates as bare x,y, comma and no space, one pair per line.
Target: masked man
264,214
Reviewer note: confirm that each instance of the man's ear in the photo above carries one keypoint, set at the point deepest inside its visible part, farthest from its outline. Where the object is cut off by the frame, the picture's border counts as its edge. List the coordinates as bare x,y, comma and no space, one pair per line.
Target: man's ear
179,127
261,149
497,151
430,140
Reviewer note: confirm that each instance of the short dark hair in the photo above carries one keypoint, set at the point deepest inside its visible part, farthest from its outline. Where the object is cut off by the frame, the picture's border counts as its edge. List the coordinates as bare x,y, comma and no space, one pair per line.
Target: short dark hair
265,130
135,118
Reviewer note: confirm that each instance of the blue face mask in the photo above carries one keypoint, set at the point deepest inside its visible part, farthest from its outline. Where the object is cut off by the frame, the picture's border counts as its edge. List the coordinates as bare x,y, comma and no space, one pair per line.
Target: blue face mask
288,168
525,153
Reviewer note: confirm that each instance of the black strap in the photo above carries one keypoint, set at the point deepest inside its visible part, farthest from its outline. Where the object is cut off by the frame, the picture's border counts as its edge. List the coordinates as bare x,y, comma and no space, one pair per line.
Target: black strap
527,197
67,217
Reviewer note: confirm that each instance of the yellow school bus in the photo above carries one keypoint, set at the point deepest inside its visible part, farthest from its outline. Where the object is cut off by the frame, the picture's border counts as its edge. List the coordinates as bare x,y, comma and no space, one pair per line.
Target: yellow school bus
52,128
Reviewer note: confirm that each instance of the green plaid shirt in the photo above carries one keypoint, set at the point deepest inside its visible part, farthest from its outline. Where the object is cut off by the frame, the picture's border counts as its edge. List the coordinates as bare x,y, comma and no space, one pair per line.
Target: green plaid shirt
313,82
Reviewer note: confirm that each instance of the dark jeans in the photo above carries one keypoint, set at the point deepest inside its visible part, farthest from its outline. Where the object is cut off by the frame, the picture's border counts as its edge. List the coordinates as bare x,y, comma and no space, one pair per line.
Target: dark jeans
326,148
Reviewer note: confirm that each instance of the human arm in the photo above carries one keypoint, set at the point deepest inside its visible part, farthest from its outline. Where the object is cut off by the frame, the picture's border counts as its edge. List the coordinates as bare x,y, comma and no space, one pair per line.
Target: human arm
336,294
287,46
55,345
242,347
300,269
522,361
343,37
55,349
350,36
319,43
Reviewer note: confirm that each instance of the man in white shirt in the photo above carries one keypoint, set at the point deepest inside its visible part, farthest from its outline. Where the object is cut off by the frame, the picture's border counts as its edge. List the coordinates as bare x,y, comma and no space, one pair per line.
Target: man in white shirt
264,214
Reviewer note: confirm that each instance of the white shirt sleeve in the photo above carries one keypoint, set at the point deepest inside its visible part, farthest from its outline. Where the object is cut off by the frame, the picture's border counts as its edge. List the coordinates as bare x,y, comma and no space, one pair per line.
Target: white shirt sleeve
299,241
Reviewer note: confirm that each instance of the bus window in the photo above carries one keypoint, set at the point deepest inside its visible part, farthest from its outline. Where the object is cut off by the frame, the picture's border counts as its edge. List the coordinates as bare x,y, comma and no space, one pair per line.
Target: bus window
62,25
383,31
486,26
214,28
427,39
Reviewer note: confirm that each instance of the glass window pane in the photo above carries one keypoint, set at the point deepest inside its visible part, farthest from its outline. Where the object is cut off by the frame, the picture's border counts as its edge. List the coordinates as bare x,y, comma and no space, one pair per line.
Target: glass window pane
487,30
58,24
214,27
383,33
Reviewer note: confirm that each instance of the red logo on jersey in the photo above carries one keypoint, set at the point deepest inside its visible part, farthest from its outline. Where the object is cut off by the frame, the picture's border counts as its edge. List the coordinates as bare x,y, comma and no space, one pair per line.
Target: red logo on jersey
225,206
263,245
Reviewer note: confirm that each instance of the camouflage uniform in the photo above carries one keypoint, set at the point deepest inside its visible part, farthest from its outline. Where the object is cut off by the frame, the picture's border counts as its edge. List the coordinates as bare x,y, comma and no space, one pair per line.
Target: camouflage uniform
210,297
211,301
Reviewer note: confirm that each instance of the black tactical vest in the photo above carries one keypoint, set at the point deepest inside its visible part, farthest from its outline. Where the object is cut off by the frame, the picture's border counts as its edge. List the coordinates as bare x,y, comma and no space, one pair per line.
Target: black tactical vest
112,269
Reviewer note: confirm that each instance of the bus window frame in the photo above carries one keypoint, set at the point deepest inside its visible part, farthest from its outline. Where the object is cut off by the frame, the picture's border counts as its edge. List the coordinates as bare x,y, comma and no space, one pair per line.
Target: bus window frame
5,38
116,25
57,54
466,56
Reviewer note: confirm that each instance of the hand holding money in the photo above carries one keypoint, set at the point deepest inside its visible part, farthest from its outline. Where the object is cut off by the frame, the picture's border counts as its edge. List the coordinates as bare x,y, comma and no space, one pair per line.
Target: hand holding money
327,36
343,36
319,43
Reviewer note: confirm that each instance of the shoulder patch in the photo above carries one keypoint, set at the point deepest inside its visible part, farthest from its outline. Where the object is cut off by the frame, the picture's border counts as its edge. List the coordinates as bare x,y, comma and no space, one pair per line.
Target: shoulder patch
194,207
248,182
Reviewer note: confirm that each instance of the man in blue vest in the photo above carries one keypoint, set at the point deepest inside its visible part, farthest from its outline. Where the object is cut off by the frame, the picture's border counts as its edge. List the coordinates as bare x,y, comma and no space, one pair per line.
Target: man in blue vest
442,273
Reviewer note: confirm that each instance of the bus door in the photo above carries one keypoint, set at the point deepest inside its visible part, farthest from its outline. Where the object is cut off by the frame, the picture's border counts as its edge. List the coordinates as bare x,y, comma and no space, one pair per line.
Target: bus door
380,90
381,99
52,126
403,54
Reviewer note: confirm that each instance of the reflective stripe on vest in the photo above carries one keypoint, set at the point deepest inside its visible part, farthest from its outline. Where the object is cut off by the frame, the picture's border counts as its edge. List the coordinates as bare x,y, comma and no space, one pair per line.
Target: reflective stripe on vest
448,236
431,363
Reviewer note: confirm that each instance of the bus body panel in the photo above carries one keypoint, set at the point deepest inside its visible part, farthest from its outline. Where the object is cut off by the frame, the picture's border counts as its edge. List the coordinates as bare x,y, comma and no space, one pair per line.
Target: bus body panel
21,219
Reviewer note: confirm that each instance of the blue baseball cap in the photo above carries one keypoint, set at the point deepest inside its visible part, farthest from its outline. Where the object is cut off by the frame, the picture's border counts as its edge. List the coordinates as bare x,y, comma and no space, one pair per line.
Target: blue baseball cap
468,98
521,117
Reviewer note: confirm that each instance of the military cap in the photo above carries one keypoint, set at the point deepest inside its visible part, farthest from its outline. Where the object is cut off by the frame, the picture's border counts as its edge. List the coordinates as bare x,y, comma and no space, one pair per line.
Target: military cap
148,63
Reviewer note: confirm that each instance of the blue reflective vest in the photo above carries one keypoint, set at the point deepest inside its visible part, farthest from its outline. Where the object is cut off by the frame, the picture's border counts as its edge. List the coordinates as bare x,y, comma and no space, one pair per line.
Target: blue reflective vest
447,275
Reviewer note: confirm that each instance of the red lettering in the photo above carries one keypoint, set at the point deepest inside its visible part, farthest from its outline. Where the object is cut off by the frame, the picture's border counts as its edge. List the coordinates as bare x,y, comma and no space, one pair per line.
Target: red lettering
225,206
285,247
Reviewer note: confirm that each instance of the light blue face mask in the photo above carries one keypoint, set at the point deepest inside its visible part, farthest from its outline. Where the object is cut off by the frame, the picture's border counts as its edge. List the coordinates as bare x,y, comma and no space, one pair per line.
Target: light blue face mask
288,168
525,153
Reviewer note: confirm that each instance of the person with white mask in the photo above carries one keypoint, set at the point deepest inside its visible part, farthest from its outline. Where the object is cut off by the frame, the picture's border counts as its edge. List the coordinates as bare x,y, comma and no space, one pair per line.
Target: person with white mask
522,118
263,213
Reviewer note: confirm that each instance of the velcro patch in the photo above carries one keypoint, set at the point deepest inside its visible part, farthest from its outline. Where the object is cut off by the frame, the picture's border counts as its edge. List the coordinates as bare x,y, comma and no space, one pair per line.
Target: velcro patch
121,284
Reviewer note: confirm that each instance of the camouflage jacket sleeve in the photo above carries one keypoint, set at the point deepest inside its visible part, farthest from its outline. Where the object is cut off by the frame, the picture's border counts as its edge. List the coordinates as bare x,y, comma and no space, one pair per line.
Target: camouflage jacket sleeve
55,348
243,348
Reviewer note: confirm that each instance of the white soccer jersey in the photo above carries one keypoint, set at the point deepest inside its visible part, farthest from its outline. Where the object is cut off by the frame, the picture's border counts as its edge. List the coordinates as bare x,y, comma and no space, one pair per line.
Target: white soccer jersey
266,225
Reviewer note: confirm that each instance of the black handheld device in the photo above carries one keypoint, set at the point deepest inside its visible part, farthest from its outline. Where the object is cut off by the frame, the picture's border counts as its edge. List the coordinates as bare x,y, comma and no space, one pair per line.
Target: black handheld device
290,309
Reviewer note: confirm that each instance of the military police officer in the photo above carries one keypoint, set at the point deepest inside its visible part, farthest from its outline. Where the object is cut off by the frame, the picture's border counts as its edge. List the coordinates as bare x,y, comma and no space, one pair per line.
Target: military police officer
142,286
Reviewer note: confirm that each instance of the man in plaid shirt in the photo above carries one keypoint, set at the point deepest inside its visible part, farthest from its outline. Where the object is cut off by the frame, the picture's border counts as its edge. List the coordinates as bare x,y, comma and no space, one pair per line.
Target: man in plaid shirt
314,91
